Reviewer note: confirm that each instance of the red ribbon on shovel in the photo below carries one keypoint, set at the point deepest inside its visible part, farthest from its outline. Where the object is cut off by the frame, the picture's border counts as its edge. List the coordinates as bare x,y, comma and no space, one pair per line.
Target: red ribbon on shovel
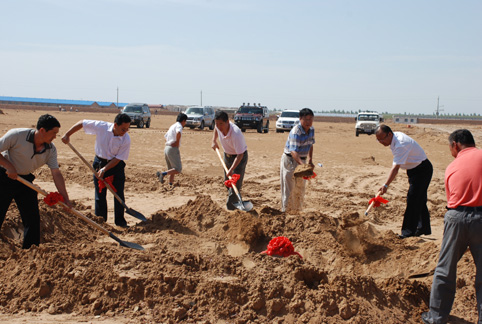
311,177
377,201
281,246
232,182
109,181
52,198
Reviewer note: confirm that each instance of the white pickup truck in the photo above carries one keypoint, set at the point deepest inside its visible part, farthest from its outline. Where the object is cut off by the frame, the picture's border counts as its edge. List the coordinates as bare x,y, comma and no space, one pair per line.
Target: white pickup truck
367,122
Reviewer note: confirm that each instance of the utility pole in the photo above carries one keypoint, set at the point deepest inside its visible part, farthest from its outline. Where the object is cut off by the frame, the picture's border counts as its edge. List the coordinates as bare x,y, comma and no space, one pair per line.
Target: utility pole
438,107
117,97
201,98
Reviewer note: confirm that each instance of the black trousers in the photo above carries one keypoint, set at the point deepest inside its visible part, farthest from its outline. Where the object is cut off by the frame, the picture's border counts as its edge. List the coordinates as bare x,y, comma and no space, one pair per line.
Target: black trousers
416,215
229,160
118,183
27,203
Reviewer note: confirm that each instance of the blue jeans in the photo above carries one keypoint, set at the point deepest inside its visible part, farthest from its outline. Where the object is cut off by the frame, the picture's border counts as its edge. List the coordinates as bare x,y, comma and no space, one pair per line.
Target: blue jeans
462,229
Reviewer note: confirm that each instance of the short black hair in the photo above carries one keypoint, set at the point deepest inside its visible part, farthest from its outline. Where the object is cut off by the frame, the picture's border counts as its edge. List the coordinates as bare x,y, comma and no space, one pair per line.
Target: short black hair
462,136
47,122
121,119
221,115
306,112
181,117
384,128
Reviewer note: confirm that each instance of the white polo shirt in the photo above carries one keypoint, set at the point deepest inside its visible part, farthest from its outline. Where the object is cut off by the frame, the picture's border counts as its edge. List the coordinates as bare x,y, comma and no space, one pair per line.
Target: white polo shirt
234,142
171,134
406,152
107,146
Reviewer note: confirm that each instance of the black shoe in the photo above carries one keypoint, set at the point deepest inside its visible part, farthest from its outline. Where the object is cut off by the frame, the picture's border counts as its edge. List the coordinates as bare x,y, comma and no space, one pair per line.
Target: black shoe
123,226
160,176
419,232
426,318
401,236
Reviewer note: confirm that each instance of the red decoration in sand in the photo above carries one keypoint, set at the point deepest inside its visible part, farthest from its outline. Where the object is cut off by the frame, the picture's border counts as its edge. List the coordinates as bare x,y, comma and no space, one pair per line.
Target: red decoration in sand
109,181
378,200
234,178
309,178
281,246
52,198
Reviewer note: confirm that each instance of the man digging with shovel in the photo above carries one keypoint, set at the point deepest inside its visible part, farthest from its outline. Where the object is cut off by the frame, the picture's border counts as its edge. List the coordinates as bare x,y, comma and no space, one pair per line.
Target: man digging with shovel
112,145
23,151
298,148
235,154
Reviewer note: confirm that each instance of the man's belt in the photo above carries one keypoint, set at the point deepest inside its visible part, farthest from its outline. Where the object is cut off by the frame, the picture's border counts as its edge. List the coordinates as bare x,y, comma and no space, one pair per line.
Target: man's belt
289,154
467,208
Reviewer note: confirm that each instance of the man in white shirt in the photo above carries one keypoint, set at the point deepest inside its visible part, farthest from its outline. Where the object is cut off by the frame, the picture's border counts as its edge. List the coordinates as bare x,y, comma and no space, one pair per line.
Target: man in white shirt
408,155
172,153
112,145
235,152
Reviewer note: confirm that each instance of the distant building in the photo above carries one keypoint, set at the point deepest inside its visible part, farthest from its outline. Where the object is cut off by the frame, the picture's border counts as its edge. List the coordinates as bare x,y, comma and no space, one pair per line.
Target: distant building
405,120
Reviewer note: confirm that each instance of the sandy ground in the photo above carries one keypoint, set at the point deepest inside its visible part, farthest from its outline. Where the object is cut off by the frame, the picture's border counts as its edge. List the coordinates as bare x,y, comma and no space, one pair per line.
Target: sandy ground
202,263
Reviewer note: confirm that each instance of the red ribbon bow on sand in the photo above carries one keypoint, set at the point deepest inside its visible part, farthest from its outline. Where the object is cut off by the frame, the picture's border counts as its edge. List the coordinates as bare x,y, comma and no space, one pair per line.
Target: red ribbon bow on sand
234,178
109,181
52,198
281,246
309,178
378,200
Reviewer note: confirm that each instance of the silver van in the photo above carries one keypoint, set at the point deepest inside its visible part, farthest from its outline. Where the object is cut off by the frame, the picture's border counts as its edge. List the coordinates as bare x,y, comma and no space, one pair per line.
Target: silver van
200,117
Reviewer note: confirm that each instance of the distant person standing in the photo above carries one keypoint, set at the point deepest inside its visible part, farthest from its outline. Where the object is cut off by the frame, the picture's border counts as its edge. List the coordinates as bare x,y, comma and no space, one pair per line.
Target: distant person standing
298,148
172,154
24,150
112,146
408,155
235,152
462,226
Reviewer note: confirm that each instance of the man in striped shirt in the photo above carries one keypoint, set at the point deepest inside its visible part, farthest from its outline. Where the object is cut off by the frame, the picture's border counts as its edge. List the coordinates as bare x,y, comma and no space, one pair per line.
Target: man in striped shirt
298,148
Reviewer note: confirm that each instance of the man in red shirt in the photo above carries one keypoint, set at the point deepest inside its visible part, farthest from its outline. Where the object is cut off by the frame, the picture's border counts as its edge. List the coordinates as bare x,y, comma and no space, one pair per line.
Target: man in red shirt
462,226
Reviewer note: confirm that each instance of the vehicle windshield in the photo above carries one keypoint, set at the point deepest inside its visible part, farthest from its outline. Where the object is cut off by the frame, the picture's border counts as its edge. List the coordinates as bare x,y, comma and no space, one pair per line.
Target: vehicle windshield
250,110
366,117
291,114
194,111
133,109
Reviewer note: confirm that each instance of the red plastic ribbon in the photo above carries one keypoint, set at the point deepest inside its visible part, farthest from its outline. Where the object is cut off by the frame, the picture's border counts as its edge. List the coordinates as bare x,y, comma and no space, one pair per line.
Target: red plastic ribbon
281,246
109,181
232,182
309,178
378,200
52,198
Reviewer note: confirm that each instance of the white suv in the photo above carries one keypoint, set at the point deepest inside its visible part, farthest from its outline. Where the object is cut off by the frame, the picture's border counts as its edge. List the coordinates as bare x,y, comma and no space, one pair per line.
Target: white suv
200,117
367,122
287,120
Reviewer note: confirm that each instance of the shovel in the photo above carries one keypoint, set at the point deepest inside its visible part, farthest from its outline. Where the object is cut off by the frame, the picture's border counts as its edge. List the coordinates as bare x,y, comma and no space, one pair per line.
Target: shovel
84,218
130,211
244,206
371,205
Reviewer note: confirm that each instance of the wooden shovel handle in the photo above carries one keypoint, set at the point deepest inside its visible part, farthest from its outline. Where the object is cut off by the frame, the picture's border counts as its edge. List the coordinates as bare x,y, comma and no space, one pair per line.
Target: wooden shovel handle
93,171
226,169
373,202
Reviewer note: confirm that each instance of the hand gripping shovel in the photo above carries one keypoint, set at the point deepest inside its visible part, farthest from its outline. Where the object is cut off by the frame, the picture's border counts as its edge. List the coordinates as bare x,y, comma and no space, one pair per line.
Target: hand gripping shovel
246,205
84,218
130,211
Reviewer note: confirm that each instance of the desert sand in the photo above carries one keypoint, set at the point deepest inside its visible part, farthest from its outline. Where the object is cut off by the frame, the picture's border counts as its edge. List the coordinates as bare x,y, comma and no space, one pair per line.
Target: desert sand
202,263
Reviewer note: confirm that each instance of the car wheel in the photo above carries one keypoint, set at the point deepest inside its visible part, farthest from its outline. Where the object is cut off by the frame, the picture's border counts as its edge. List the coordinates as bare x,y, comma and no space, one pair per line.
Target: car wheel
279,131
213,124
357,133
260,127
148,124
202,125
141,124
243,130
266,130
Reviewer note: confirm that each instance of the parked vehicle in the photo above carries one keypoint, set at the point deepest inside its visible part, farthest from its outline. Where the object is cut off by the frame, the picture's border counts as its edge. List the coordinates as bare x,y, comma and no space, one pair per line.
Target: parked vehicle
200,117
252,117
287,120
139,113
367,122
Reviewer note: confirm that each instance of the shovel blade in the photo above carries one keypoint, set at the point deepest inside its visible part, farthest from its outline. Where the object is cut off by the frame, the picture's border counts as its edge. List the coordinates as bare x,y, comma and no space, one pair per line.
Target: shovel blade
136,214
126,244
244,205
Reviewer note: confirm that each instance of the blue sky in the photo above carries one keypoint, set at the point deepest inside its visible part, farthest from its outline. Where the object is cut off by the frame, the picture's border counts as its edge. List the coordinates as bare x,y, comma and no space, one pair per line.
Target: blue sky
395,56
